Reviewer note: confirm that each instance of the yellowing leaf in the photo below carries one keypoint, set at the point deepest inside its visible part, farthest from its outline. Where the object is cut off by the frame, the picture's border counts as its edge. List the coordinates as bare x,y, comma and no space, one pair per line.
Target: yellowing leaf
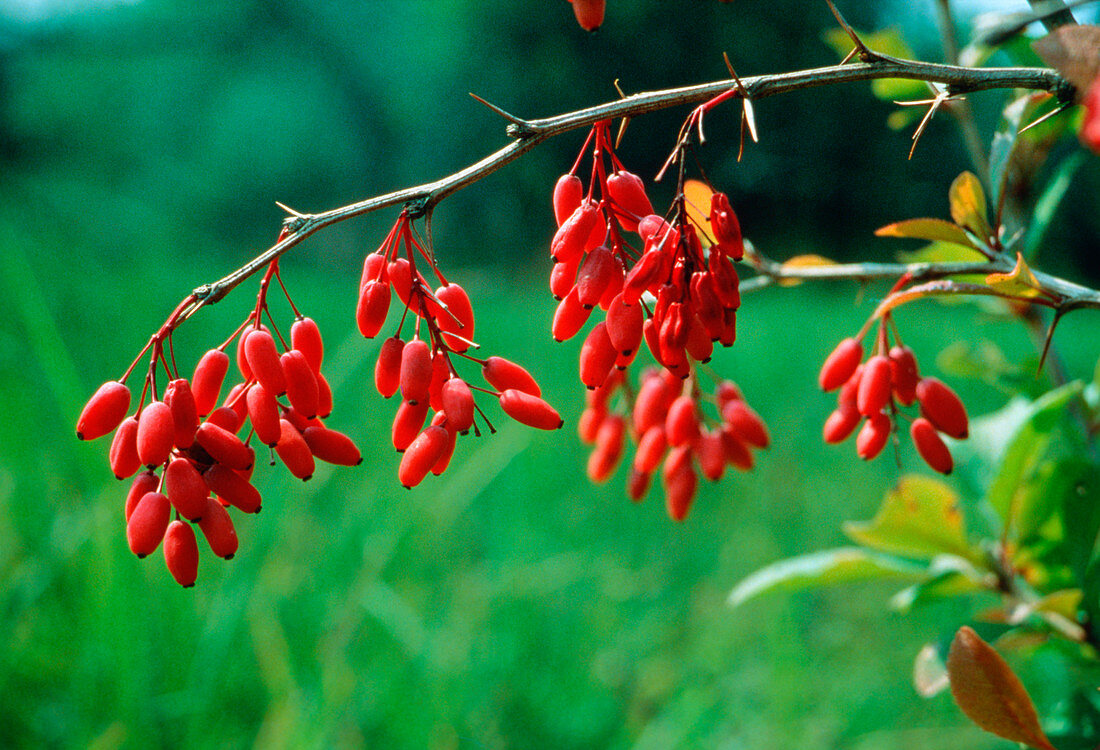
918,518
803,261
1020,282
968,207
697,198
990,694
927,229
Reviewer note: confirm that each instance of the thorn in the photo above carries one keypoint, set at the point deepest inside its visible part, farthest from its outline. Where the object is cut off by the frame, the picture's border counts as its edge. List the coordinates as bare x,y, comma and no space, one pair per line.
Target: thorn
1044,118
625,121
291,211
865,52
1046,342
506,115
940,99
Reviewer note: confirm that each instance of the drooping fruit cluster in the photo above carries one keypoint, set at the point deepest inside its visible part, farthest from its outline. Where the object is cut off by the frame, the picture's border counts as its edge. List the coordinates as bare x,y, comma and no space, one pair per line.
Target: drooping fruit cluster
191,463
422,368
872,391
678,293
673,433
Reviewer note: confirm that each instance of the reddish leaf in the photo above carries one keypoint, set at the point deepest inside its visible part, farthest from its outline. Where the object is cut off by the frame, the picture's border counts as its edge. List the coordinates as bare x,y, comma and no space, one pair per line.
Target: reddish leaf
1074,51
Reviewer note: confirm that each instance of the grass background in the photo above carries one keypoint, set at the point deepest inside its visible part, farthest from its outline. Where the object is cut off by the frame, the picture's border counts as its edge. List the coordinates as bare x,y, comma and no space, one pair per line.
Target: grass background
509,603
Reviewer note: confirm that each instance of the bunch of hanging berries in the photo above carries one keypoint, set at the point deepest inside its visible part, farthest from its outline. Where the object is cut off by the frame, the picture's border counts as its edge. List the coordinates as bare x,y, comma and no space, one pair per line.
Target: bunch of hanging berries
872,391
190,458
419,361
675,289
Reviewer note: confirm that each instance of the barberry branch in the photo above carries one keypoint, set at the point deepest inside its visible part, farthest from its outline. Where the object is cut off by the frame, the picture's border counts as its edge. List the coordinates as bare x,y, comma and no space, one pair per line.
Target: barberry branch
527,134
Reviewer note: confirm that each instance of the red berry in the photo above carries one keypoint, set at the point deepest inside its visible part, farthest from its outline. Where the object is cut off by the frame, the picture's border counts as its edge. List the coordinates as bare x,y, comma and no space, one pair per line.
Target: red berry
231,487
529,410
331,446
841,423
840,365
682,422
457,321
711,453
263,359
726,228
609,449
224,447
596,273
301,383
444,460
930,446
147,524
207,382
737,453
680,482
422,454
563,276
225,417
570,317
124,458
143,483
185,413
651,449
874,386
387,371
156,434
375,268
407,423
637,485
589,13
305,337
588,426
263,410
903,374
415,375
873,435
185,488
503,374
181,553
104,411
651,405
372,308
458,404
568,193
746,423
597,358
217,527
573,236
294,451
942,407
324,396
627,193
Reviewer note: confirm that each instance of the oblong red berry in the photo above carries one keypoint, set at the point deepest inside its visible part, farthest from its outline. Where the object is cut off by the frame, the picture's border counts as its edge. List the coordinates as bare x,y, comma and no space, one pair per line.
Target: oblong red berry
903,374
143,483
458,404
181,553
421,455
570,317
185,488
873,435
930,446
563,276
331,446
415,375
387,370
324,396
503,374
588,425
407,423
156,433
124,458
569,241
372,308
529,410
738,454
589,13
726,228
711,454
840,365
206,384
943,408
444,459
597,358
441,372
263,358
651,449
225,417
874,386
746,423
224,447
217,527
301,383
375,268
147,524
294,451
305,337
637,485
841,424
605,457
596,273
652,403
263,411
682,422
104,411
568,193
680,482
457,321
231,487
627,193
185,412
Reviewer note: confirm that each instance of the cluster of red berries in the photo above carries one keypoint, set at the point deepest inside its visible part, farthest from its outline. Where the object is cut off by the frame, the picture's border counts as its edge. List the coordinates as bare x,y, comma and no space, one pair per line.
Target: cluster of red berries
674,294
423,369
667,422
205,467
871,391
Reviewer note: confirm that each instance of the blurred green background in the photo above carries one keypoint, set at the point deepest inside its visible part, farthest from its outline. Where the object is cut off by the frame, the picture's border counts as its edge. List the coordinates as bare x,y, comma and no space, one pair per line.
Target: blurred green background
509,603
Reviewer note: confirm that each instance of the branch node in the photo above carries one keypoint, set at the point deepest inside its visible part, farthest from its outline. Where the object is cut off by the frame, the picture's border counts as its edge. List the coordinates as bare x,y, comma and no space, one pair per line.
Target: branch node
517,128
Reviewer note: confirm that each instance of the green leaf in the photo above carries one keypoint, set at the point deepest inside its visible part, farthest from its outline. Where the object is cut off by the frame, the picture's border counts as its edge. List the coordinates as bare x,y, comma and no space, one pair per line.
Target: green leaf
944,252
968,206
841,565
920,517
929,229
948,576
1047,205
990,694
1004,143
1023,454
